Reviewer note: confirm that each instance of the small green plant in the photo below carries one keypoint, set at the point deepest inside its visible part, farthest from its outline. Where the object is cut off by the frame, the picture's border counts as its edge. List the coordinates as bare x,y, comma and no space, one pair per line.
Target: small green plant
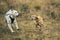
51,14
48,13
37,8
17,38
57,4
24,8
1,11
52,3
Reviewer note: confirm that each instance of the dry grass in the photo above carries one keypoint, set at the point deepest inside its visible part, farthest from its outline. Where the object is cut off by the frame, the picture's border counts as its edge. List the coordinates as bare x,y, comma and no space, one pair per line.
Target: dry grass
28,31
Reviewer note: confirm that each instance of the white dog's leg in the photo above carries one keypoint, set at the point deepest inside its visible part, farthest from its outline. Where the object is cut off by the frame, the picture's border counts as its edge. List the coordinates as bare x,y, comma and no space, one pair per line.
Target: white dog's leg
9,25
16,24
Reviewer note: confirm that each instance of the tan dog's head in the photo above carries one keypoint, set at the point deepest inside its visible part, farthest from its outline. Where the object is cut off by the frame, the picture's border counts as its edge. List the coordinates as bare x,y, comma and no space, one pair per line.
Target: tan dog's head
34,17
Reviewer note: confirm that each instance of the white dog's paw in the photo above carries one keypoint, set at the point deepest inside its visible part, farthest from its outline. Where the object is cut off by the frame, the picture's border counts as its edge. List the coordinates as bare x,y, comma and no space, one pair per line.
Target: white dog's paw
13,31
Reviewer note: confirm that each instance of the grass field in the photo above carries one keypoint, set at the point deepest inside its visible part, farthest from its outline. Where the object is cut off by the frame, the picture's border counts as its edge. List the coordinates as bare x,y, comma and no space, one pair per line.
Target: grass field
48,9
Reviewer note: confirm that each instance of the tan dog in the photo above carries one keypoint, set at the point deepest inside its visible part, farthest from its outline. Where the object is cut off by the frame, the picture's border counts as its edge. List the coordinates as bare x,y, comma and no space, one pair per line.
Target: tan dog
38,20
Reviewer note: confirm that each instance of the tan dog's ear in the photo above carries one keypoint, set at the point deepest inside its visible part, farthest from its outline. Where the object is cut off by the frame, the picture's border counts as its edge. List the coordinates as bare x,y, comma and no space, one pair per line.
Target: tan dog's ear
33,17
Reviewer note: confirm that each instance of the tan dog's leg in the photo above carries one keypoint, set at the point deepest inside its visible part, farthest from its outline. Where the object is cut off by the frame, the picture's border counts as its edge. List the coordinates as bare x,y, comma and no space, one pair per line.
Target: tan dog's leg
10,27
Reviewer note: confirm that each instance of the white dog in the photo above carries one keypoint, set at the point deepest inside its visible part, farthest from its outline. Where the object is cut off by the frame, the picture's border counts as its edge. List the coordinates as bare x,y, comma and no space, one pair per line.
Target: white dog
11,18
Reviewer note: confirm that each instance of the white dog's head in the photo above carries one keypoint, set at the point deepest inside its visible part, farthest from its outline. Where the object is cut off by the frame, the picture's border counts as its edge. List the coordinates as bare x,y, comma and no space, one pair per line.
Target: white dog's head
15,13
